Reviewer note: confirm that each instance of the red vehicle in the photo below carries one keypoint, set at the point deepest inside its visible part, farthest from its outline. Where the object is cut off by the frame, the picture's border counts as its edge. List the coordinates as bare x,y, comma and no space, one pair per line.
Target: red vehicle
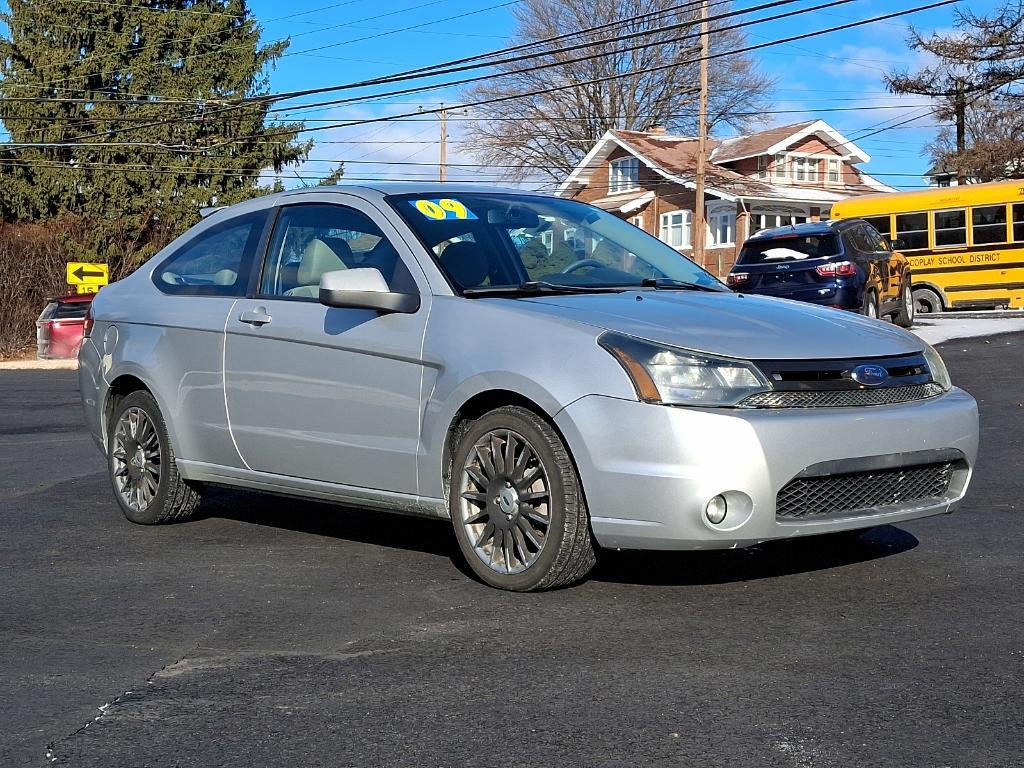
60,326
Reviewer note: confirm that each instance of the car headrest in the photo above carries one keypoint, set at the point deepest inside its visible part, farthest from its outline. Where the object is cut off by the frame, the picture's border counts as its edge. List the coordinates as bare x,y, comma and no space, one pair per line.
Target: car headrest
225,277
317,258
466,263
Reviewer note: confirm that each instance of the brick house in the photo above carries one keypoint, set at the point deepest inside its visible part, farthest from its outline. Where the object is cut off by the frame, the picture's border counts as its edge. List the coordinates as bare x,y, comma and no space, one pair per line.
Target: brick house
784,175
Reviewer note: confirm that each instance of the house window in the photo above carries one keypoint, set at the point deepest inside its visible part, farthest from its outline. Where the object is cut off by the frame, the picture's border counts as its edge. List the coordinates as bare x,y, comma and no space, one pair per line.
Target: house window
676,228
637,221
761,221
722,224
624,175
833,170
812,168
780,166
950,228
799,169
762,166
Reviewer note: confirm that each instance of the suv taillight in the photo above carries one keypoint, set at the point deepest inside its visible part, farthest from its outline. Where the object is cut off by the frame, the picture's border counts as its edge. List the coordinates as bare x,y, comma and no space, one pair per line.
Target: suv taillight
837,269
87,323
737,278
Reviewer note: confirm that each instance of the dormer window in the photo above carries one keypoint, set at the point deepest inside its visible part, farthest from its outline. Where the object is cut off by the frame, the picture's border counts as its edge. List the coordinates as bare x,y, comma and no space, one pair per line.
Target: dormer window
833,170
780,166
624,175
762,166
805,169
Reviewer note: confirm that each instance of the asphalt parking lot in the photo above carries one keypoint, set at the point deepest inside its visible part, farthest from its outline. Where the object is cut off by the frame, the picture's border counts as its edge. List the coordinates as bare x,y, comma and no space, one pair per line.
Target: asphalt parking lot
277,632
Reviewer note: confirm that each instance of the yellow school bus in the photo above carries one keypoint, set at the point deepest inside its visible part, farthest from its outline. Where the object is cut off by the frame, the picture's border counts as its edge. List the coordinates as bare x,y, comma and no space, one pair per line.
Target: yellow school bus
965,244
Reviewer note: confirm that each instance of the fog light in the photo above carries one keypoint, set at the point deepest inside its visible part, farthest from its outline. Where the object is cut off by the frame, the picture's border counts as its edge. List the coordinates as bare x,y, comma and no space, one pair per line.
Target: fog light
716,509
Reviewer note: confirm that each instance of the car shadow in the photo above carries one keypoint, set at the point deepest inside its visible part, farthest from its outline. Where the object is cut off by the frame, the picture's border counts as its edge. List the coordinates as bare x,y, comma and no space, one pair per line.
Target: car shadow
420,534
763,561
368,526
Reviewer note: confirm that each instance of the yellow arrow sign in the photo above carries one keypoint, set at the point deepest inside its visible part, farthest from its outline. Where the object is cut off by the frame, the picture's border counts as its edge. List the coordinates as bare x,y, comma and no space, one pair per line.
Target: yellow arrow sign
82,273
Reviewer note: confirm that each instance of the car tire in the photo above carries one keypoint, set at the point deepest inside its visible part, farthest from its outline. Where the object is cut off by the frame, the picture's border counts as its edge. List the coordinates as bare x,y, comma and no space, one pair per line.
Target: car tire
927,301
904,316
517,504
870,307
141,464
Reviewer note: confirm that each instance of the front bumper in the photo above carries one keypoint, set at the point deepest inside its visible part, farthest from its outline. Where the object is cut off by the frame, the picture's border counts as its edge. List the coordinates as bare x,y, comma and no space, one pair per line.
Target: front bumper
648,471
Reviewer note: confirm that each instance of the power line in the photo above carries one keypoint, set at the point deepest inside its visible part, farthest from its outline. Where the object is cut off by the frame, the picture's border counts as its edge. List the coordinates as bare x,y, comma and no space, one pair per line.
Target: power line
437,71
552,89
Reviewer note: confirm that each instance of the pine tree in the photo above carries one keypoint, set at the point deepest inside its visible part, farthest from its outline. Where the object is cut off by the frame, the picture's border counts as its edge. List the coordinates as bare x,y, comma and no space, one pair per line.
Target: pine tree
156,98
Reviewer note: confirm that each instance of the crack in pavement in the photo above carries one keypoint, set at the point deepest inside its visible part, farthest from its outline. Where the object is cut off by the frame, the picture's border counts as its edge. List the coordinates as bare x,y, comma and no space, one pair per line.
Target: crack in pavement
51,755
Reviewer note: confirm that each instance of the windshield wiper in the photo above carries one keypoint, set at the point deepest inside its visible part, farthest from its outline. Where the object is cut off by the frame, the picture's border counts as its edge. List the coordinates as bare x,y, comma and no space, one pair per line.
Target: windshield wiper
671,284
540,287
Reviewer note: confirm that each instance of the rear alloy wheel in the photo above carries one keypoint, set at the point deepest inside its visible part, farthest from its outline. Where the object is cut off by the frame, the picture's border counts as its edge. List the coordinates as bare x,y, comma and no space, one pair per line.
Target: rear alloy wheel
870,308
926,301
143,472
904,316
516,504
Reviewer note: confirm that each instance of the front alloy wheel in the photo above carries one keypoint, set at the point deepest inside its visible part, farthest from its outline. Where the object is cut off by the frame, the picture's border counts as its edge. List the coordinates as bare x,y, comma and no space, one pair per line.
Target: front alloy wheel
504,501
516,503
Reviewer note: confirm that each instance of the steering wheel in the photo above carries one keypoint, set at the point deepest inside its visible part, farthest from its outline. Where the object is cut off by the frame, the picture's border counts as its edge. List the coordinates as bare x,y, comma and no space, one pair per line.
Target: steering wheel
580,264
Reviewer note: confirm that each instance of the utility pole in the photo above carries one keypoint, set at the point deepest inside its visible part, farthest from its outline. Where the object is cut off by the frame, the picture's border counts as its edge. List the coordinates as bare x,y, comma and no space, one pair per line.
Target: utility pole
442,169
699,225
442,113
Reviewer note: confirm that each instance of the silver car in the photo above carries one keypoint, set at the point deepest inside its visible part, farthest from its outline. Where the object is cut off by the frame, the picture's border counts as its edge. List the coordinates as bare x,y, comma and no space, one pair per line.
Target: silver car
547,376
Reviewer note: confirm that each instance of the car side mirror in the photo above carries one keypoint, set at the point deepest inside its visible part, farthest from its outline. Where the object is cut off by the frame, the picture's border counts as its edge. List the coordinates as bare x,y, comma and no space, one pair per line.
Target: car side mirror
897,245
364,288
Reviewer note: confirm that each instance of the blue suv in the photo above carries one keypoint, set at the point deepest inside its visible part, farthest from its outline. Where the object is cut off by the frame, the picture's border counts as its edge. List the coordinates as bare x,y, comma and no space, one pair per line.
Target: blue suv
843,264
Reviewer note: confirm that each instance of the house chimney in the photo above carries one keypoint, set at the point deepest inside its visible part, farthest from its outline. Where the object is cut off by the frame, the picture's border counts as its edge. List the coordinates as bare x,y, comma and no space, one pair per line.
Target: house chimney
657,130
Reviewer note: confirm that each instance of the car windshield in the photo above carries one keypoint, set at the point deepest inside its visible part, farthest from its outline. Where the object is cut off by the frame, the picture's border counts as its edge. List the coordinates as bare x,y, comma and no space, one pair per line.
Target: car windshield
488,241
791,248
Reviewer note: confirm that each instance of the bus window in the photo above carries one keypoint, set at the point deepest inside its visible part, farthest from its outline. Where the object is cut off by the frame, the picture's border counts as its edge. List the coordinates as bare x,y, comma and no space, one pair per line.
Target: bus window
989,224
881,223
1018,222
950,228
912,229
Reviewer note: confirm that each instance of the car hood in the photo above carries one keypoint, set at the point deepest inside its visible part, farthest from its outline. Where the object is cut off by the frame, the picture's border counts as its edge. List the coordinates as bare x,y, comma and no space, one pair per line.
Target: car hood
733,325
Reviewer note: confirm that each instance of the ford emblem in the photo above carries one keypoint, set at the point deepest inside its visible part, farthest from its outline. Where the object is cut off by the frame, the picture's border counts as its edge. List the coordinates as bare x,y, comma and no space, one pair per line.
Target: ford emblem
869,375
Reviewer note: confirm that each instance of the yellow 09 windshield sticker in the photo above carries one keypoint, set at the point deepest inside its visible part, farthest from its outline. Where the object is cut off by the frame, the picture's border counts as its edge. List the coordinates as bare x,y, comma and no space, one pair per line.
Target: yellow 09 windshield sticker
445,208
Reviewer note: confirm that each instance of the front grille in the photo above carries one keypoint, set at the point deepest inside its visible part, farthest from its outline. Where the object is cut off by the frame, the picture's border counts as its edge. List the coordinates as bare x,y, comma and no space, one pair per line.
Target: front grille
859,492
841,398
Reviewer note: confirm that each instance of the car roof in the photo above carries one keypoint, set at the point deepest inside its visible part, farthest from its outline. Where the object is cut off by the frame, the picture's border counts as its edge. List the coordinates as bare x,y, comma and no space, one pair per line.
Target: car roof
412,188
809,229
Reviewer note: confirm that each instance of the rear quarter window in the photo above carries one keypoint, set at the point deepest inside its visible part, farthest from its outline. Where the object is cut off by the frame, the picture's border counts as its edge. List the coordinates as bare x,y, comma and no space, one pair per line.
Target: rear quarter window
783,249
216,262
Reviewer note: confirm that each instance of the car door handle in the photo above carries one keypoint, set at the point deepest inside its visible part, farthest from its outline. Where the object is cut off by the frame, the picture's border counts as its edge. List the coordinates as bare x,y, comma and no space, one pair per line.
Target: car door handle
255,317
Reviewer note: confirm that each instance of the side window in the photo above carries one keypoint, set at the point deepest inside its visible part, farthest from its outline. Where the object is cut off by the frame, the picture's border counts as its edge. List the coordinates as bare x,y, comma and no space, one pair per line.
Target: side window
912,229
989,224
950,228
858,237
215,263
310,240
877,242
1018,222
881,223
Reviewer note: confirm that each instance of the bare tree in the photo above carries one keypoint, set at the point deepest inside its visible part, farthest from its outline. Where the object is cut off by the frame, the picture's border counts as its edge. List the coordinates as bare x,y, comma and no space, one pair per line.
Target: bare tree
993,146
976,83
546,135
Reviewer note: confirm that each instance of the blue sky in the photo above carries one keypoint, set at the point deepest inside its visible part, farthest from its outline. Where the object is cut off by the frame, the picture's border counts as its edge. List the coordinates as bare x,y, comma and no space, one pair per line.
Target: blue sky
337,41
839,70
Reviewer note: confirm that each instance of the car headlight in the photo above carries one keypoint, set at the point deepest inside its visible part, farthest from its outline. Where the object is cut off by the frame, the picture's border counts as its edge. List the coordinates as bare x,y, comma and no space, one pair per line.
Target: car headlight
674,376
937,368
